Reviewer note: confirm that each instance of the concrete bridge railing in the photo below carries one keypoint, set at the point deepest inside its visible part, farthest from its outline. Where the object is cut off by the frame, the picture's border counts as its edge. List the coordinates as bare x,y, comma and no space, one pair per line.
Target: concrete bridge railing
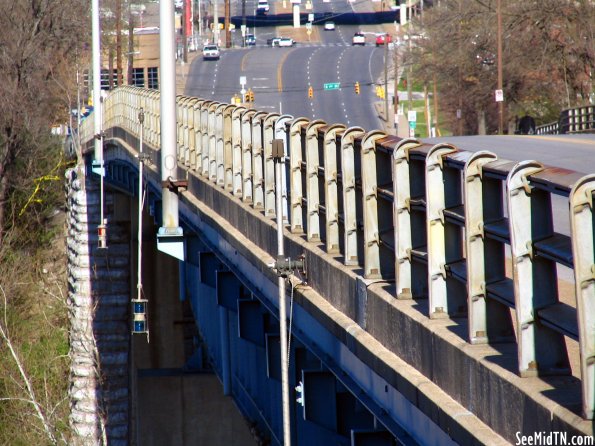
572,120
472,233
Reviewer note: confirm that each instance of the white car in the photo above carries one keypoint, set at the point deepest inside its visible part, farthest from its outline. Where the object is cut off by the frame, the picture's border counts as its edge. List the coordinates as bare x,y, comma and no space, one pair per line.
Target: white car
358,39
285,41
262,7
329,26
211,52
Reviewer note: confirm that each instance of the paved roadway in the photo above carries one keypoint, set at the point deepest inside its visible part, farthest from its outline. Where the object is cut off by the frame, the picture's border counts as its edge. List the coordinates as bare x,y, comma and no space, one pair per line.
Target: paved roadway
280,77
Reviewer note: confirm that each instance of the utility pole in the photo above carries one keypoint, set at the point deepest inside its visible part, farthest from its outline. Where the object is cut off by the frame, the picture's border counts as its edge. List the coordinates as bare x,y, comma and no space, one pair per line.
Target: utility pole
244,29
386,40
215,23
130,46
120,78
200,20
227,23
185,31
500,103
396,87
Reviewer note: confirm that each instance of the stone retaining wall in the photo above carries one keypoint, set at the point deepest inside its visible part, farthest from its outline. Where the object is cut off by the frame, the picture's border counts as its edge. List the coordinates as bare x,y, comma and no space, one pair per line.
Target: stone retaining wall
98,297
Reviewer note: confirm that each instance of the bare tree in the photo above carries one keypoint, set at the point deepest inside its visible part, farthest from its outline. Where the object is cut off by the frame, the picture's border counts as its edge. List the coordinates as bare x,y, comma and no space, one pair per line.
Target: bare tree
548,57
38,41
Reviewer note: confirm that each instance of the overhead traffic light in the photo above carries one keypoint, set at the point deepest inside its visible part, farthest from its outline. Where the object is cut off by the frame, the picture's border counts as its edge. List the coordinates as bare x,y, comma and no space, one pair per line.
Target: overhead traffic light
310,92
249,97
357,88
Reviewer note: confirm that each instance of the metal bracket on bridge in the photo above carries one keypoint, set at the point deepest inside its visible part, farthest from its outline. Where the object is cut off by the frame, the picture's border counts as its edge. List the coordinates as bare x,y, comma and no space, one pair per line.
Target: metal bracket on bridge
285,266
144,158
175,185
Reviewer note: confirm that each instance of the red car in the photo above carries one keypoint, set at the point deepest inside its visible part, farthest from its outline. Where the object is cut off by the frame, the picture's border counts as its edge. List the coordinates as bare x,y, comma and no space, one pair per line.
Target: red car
381,39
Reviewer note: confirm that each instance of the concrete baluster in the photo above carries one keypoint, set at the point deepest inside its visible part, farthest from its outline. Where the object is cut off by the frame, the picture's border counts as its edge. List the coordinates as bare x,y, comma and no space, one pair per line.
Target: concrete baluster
195,137
295,171
435,226
212,138
204,124
312,187
370,205
540,349
236,150
257,160
282,132
349,193
475,246
402,217
219,145
582,229
247,156
228,148
331,193
180,129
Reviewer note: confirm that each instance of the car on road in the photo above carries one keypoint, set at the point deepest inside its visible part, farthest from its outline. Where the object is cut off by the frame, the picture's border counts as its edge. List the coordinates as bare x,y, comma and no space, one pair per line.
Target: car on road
358,39
211,52
273,41
381,39
250,40
286,41
329,26
262,7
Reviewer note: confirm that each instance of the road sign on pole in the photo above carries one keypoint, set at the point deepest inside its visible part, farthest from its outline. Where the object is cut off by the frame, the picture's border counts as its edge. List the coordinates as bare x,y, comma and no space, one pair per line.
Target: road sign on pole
332,86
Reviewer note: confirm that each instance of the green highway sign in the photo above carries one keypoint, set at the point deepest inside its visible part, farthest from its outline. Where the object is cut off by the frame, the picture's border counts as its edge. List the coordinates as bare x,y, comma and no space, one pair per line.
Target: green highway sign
332,86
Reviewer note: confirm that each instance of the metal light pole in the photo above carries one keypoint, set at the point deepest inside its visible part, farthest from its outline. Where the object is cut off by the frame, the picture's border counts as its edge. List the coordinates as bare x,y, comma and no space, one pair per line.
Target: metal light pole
500,103
279,159
96,81
170,234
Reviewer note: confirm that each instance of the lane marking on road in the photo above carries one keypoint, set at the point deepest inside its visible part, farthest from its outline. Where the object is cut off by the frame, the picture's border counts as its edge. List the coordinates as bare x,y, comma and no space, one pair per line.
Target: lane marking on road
280,71
244,59
561,139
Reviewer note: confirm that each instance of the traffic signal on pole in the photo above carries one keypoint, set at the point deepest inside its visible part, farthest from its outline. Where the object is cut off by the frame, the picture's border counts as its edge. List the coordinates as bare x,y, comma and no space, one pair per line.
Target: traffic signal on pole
310,92
357,90
249,97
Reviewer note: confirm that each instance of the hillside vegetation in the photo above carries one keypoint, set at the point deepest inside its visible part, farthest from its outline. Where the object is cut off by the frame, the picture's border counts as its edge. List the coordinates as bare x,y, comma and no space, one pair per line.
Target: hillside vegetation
40,48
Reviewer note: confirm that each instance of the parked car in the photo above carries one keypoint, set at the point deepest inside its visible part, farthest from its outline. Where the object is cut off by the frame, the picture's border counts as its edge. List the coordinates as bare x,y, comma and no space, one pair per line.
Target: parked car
329,26
250,40
358,39
286,41
381,39
211,52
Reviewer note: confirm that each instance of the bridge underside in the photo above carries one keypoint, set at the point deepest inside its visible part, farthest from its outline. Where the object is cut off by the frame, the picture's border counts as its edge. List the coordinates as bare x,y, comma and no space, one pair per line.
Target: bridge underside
373,368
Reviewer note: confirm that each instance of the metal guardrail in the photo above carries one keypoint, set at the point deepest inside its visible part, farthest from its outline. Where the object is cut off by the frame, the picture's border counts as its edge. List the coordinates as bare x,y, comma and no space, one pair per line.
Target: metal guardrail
573,120
437,220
